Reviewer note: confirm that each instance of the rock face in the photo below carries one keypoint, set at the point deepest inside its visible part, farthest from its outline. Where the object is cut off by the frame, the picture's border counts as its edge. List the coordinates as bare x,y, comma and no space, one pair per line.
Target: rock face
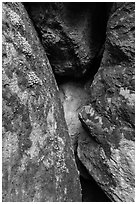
38,162
71,33
108,152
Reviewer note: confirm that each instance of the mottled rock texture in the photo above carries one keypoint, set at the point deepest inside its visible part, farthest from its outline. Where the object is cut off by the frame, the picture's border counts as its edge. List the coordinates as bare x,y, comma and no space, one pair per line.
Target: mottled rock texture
108,153
71,33
38,162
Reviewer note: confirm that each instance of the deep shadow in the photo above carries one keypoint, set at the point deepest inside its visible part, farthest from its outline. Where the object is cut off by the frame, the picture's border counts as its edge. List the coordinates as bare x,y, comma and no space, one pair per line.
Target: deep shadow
91,192
99,13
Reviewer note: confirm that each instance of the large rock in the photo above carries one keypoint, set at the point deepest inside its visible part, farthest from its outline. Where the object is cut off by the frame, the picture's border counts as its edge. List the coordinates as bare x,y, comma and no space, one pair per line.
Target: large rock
38,161
72,34
108,152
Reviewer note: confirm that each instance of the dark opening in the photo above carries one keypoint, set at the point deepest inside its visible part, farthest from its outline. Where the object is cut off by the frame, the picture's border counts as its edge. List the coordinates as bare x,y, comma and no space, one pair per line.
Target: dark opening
91,192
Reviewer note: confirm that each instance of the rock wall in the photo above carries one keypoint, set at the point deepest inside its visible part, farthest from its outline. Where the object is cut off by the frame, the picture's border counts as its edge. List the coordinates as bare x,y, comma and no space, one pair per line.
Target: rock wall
109,151
38,162
89,121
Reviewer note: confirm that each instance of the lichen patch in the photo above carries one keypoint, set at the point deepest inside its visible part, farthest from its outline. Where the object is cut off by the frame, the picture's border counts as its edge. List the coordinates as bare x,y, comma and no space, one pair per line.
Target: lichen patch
33,79
15,18
24,44
127,95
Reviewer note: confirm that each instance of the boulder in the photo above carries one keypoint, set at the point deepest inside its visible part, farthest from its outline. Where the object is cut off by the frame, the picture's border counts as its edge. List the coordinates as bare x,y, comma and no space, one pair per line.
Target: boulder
38,161
108,152
71,33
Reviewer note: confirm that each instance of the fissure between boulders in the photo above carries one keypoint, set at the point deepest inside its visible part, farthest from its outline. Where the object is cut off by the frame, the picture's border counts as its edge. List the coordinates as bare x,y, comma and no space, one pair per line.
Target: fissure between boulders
74,86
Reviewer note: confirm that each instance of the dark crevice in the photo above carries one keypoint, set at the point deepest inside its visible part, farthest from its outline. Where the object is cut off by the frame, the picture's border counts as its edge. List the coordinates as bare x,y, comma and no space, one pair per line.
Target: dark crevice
91,192
99,14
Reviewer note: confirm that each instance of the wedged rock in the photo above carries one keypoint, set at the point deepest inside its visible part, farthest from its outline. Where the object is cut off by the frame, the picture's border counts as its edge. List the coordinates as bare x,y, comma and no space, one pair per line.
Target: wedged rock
71,33
38,161
108,152
73,96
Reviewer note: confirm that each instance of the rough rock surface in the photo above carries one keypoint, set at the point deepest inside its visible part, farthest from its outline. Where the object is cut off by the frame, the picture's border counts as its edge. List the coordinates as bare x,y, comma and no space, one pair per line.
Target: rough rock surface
108,152
38,162
73,96
72,34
